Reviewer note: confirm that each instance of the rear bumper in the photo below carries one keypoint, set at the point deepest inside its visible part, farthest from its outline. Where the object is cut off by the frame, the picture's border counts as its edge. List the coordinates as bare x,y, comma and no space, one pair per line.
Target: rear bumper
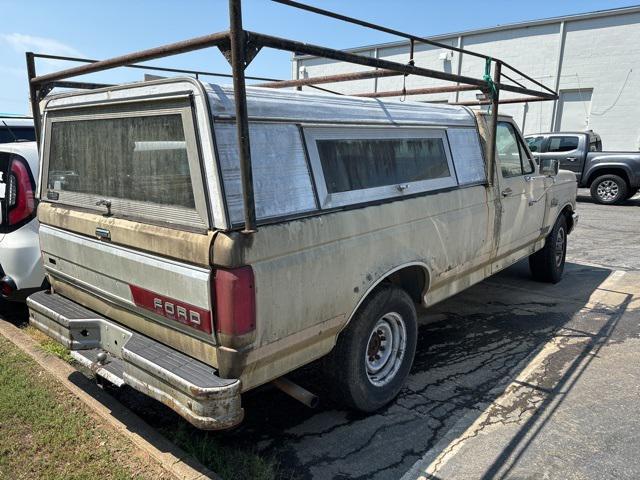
20,259
122,356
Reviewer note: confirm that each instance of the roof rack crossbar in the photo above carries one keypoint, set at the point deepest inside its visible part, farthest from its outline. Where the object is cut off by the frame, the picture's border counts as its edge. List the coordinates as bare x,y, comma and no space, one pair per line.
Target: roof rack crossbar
197,43
243,45
408,36
155,68
316,50
473,103
418,91
380,28
341,77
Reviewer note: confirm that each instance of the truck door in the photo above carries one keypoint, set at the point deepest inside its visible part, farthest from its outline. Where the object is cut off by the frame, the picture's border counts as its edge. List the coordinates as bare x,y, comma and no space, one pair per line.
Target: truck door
568,150
520,187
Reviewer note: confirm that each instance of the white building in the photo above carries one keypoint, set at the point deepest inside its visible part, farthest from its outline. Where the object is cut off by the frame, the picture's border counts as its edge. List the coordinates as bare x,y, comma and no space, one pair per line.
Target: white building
591,59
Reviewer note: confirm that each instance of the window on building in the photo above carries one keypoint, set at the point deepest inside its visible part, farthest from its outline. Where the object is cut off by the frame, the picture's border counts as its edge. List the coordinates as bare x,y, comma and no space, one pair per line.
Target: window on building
354,165
562,144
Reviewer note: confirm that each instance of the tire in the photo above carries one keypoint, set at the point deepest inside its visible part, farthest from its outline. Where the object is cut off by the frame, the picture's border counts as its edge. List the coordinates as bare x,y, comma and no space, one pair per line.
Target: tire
609,189
547,265
363,374
631,193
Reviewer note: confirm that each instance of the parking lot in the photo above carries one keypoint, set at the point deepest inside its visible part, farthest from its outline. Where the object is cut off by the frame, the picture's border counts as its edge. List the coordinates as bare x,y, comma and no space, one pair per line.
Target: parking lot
512,379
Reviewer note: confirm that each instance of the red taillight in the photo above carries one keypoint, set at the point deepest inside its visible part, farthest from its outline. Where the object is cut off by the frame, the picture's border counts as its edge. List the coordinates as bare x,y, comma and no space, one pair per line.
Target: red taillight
235,301
7,286
21,199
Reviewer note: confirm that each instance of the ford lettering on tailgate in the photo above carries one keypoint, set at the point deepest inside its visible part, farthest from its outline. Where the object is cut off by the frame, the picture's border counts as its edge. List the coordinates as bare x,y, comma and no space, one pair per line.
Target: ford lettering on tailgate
195,317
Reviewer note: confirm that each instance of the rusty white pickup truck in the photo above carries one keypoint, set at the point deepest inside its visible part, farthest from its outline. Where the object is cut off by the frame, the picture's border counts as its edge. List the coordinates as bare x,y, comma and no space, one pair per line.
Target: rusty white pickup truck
365,209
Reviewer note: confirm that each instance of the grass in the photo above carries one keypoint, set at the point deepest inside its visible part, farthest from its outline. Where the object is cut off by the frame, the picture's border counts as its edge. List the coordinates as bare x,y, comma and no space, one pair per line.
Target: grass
213,449
229,461
49,345
45,432
230,457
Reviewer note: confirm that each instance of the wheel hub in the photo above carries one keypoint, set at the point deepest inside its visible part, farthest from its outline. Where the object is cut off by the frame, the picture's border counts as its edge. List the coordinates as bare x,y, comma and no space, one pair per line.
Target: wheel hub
385,349
608,190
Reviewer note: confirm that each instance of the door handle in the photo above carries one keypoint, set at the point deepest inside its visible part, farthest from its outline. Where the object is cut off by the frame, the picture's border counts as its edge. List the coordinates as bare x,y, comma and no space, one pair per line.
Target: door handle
506,192
571,159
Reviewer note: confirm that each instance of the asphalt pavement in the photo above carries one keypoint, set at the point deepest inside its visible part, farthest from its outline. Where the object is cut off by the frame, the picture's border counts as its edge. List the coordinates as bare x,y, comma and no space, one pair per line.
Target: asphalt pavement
512,379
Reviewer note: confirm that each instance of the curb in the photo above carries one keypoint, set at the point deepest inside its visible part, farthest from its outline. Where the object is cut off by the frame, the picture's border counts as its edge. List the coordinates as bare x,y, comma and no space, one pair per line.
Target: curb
170,457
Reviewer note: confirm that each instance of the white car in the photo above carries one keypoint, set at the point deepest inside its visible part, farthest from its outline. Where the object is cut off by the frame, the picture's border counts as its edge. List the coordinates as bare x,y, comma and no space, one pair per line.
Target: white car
21,271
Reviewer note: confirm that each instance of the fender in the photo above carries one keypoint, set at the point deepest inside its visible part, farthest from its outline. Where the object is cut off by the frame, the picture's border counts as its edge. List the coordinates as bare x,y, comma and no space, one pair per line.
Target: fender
382,277
569,206
607,165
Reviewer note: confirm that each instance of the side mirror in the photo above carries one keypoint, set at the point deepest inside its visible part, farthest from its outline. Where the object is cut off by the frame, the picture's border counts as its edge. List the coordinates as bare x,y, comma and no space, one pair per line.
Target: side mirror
549,167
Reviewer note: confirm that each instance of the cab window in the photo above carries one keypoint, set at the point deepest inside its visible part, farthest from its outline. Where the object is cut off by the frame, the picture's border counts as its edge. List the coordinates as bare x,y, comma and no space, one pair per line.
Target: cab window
562,144
513,157
595,145
535,143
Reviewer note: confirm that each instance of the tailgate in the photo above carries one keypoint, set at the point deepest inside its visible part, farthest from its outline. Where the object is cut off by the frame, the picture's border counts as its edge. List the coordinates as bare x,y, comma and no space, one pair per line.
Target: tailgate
124,216
160,289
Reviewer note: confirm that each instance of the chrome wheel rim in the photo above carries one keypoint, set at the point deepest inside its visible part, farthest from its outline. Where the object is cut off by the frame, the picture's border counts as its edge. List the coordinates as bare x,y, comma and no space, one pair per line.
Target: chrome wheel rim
559,250
385,349
608,190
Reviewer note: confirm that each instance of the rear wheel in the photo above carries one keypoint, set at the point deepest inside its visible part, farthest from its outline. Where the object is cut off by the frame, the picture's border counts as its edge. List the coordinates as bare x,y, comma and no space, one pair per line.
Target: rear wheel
609,189
373,355
547,265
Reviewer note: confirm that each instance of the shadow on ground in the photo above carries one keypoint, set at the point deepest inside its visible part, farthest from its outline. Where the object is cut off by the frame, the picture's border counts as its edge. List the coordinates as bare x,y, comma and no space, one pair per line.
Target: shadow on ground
14,312
585,197
470,348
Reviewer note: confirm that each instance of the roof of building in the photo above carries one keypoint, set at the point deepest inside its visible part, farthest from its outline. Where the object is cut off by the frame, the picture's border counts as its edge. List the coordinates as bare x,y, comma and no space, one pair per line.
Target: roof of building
507,26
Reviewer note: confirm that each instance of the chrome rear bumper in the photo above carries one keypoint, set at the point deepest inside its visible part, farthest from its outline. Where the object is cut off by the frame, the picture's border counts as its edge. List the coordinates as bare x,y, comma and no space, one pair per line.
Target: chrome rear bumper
122,356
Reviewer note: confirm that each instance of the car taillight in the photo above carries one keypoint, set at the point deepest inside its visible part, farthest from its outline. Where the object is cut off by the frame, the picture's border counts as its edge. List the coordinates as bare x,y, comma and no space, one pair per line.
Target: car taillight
20,196
235,301
7,286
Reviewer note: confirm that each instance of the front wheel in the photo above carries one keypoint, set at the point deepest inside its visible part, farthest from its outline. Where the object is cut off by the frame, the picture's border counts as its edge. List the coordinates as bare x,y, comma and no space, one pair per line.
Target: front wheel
609,189
547,265
373,355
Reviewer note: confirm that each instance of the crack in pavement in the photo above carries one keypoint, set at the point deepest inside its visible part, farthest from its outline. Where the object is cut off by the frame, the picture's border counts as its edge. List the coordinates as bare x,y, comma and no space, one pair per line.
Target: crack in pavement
480,343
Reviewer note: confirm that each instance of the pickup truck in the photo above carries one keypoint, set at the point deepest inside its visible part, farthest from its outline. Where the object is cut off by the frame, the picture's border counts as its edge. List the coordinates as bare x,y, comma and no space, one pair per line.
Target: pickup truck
365,209
612,177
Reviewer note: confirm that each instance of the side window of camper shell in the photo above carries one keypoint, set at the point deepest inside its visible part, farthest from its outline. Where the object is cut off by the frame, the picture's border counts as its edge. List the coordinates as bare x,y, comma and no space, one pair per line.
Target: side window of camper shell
356,164
281,177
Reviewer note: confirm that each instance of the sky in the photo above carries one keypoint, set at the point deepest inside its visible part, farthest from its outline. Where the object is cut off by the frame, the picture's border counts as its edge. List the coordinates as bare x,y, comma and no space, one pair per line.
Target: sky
92,29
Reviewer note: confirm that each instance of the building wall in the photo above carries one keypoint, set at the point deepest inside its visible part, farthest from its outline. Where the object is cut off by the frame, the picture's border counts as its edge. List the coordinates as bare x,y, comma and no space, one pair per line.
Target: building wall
594,55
